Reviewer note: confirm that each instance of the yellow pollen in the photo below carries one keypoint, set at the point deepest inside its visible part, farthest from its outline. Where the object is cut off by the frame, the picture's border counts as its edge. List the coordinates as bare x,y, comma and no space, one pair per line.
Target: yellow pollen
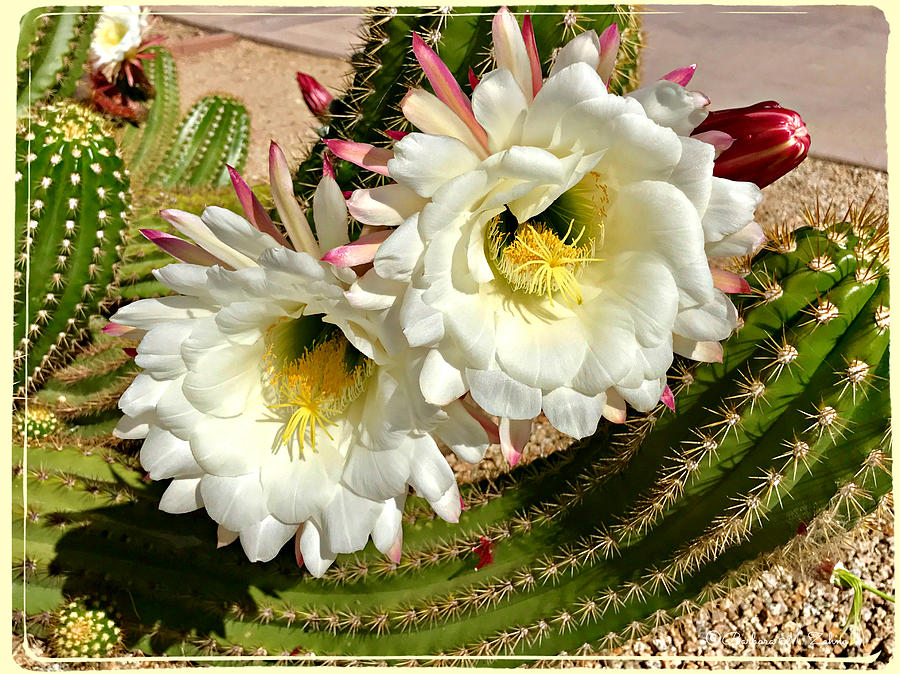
317,386
539,262
111,32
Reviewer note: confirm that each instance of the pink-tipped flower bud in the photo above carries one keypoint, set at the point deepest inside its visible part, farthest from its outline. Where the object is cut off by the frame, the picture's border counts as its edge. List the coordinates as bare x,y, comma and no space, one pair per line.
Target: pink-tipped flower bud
768,142
315,96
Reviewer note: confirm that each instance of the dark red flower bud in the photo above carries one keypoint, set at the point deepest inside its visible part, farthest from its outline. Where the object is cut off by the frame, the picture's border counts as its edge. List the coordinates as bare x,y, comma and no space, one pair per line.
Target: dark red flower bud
315,96
768,142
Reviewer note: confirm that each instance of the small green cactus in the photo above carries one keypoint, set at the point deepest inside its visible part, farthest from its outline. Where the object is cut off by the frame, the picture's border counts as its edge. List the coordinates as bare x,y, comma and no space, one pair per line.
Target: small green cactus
36,422
72,202
51,54
82,632
215,132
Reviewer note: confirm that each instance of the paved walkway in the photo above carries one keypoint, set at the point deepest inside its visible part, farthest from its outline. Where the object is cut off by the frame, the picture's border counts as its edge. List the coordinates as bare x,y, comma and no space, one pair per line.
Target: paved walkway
826,62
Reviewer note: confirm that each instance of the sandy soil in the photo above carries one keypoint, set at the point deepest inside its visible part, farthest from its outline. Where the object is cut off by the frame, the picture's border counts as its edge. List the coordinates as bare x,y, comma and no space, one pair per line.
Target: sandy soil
264,78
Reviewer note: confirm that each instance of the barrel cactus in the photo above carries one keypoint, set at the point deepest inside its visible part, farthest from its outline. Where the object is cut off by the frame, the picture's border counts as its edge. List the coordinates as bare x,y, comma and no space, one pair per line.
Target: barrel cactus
72,202
83,632
213,134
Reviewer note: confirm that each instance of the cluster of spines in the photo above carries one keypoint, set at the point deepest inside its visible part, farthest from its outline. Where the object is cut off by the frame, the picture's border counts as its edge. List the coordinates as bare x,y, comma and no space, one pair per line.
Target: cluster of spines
51,54
80,631
36,422
215,132
72,203
84,394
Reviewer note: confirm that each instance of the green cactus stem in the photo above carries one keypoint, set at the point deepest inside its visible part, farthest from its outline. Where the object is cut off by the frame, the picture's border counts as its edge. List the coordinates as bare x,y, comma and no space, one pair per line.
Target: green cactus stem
145,146
771,457
72,201
215,132
51,53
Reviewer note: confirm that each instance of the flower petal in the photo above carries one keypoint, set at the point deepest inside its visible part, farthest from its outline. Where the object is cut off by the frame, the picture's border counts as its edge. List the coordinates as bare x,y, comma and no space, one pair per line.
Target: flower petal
746,241
537,76
423,163
583,48
191,225
573,413
235,232
449,506
181,249
317,556
234,502
330,214
181,496
432,116
387,205
441,383
387,534
253,209
681,76
671,105
462,433
263,540
705,352
609,49
446,87
364,155
500,107
164,456
509,50
288,209
348,520
499,394
731,208
514,435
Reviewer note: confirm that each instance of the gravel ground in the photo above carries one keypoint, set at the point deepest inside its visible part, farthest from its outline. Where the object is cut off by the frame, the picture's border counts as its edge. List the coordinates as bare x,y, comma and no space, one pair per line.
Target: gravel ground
784,612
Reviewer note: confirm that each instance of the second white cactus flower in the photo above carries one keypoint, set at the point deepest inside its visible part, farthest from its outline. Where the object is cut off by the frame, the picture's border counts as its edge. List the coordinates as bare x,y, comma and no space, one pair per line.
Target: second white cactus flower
273,403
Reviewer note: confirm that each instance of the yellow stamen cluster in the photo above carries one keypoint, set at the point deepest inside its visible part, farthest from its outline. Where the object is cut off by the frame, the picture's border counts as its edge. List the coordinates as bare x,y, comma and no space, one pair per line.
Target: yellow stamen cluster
317,387
110,33
540,263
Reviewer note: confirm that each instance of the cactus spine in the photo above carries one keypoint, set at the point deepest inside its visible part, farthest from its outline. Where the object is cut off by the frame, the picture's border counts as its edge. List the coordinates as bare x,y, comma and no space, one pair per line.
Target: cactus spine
52,50
72,200
621,533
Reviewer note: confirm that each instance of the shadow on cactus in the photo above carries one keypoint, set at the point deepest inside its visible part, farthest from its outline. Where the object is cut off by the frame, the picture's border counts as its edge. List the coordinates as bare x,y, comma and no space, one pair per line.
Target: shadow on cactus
590,547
